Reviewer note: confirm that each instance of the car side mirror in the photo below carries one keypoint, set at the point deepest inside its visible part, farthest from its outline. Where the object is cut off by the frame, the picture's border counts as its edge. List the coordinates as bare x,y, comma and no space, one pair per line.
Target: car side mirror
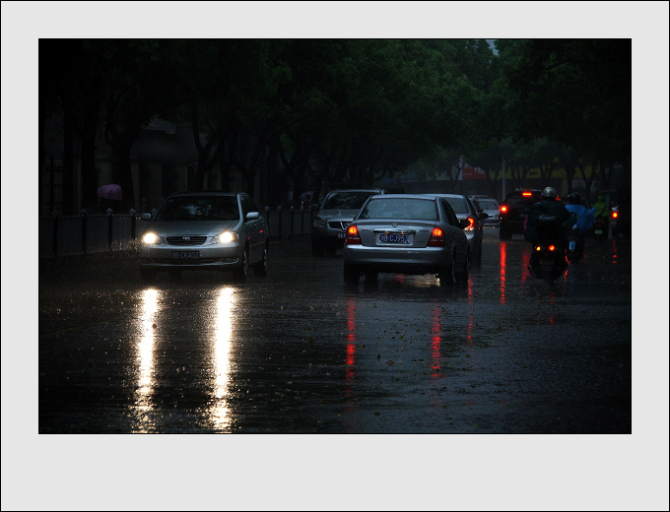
464,223
146,216
253,215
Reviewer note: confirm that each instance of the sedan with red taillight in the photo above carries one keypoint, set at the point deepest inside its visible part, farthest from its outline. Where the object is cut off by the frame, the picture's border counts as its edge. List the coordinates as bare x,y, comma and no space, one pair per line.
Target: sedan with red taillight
465,209
406,234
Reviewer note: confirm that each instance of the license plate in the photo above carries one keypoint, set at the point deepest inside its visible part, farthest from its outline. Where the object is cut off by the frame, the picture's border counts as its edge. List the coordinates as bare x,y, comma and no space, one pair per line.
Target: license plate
394,238
599,231
341,235
189,255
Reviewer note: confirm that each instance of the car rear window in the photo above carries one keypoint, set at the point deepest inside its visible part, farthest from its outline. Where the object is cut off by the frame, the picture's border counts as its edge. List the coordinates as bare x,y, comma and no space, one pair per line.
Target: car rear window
458,204
487,204
199,208
346,200
400,208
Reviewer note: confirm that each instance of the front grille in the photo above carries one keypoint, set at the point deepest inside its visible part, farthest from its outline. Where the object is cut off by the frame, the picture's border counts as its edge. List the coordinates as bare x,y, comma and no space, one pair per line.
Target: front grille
339,224
186,240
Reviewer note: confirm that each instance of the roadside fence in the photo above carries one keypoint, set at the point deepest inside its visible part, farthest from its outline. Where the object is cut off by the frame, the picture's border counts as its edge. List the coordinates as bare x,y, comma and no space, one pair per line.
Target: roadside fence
61,235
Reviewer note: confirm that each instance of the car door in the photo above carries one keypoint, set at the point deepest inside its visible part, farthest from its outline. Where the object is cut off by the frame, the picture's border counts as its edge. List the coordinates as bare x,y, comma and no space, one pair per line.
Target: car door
254,227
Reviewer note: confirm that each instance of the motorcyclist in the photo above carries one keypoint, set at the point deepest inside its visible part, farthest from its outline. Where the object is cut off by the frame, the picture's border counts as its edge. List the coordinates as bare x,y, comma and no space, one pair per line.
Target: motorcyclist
586,215
549,205
602,214
583,224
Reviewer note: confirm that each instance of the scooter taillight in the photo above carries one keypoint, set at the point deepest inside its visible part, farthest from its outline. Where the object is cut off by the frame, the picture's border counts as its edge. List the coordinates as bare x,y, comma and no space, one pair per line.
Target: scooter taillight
552,247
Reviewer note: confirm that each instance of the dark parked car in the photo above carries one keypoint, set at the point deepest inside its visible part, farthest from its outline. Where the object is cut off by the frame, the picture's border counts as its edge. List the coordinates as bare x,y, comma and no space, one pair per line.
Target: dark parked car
514,209
205,230
334,215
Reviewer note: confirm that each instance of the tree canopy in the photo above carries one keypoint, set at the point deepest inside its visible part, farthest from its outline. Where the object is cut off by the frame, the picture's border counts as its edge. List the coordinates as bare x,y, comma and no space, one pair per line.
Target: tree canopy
346,110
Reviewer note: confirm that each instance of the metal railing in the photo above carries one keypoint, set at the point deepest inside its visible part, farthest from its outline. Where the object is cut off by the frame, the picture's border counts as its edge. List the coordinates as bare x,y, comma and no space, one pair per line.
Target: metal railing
82,234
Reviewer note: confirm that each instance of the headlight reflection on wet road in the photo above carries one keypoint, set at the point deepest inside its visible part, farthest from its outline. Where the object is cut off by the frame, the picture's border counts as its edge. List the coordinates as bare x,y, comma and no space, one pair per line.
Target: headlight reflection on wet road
223,330
145,383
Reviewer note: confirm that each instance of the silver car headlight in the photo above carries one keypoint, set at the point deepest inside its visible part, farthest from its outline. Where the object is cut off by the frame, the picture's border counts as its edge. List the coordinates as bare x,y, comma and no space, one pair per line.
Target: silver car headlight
225,238
151,239
319,223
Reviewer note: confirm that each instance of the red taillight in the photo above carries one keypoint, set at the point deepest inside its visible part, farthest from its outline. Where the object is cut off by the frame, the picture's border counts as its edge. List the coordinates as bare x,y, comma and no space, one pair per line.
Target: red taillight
526,194
503,209
436,238
552,247
615,215
470,226
352,237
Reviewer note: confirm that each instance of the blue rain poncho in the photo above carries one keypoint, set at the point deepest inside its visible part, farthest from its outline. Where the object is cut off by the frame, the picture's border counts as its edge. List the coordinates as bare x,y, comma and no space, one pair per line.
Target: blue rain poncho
586,217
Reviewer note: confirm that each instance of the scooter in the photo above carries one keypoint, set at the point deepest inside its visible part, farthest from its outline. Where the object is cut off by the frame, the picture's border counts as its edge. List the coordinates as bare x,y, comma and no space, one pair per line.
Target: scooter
548,259
576,242
601,228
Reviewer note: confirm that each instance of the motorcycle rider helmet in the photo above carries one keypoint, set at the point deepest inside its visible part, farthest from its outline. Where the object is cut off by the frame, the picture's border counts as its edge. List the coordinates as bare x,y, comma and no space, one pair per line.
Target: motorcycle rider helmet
549,193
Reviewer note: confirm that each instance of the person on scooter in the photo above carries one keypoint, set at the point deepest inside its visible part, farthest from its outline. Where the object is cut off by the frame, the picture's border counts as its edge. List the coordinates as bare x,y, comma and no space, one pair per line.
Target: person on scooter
549,206
602,218
583,224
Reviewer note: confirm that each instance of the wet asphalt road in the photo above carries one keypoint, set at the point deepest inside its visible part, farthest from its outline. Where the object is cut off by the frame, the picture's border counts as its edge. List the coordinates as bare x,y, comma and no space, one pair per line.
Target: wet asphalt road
299,352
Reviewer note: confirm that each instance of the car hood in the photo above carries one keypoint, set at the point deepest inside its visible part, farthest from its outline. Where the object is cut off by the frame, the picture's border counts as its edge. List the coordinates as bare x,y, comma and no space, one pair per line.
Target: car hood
204,227
338,214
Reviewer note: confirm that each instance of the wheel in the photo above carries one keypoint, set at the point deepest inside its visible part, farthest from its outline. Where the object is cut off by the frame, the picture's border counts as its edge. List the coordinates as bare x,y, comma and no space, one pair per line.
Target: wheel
351,275
317,247
261,269
464,275
242,271
448,274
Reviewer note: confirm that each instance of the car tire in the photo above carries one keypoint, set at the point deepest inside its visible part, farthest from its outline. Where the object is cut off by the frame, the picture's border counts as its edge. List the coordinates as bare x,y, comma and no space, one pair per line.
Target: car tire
351,275
448,274
464,275
242,271
261,269
317,248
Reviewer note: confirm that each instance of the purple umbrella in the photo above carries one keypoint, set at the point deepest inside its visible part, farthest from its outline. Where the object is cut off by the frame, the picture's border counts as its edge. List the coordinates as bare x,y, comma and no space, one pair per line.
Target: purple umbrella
110,192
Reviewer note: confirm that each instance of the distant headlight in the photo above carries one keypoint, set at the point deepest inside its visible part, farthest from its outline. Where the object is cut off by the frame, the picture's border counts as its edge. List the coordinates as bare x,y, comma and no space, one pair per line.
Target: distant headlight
225,238
319,223
151,238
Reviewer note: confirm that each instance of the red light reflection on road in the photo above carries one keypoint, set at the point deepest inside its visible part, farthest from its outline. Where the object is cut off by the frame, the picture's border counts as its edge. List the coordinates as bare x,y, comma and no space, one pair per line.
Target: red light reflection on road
351,341
436,342
503,270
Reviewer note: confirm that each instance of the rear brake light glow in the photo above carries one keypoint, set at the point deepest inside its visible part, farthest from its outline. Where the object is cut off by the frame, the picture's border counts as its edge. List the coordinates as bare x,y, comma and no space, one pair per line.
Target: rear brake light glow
552,247
436,238
503,209
470,226
526,194
352,237
615,215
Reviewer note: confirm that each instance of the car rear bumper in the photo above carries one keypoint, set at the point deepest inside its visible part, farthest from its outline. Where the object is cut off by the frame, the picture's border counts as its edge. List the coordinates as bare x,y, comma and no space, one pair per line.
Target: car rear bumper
407,261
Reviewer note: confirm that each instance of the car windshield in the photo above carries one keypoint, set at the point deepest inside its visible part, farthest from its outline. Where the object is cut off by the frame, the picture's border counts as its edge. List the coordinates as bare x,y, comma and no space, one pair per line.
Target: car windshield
487,204
346,200
400,208
199,208
458,204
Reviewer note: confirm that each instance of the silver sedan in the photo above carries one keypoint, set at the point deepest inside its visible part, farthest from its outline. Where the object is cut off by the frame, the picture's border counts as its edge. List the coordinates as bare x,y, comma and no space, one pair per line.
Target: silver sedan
408,234
205,230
